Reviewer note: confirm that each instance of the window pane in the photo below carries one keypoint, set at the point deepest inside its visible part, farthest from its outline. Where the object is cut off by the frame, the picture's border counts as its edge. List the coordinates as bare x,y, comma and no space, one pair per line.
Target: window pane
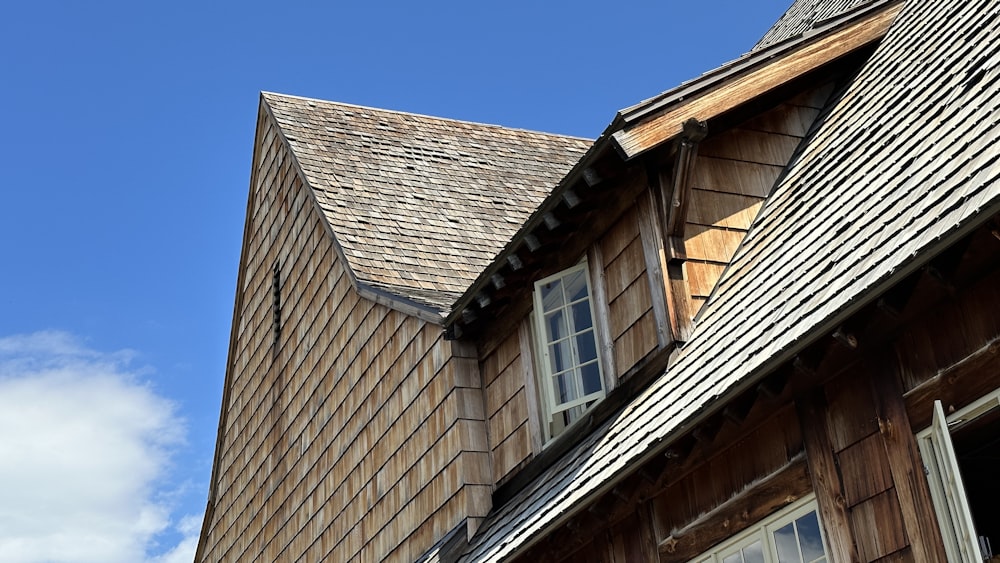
552,296
586,348
567,387
784,542
734,558
754,553
560,357
809,537
576,285
581,316
555,326
591,376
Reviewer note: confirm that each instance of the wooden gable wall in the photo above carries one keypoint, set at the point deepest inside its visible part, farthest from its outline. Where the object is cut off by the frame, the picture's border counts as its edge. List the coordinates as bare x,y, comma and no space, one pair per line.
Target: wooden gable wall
359,436
732,175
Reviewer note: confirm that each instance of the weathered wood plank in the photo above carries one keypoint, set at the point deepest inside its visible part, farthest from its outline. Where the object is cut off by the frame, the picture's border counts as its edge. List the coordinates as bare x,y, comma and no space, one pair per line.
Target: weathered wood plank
712,244
812,408
865,470
721,209
751,146
635,343
733,176
770,494
656,264
630,306
754,83
907,468
702,277
877,527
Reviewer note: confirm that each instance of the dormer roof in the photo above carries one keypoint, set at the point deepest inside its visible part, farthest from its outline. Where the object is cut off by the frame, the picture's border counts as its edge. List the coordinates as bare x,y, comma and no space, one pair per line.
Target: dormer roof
904,164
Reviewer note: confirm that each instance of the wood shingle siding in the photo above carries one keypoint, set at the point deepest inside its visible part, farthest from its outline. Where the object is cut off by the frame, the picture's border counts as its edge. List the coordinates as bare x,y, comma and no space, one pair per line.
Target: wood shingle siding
836,229
358,420
791,258
733,175
630,319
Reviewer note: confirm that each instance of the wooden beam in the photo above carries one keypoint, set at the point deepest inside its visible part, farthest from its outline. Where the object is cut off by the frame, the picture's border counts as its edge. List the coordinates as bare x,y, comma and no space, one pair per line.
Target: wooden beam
515,262
969,378
826,483
906,467
570,198
770,494
654,253
687,153
754,82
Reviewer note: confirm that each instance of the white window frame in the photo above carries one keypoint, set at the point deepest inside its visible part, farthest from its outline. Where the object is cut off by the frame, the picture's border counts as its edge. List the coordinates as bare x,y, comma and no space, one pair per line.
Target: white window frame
543,375
762,532
945,480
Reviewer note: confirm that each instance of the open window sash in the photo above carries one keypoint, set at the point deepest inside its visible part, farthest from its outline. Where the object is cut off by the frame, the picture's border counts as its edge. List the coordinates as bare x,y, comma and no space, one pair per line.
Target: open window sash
948,491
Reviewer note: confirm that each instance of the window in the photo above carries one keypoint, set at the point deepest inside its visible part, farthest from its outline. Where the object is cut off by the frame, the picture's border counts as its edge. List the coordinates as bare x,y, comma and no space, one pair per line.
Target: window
569,373
960,452
792,535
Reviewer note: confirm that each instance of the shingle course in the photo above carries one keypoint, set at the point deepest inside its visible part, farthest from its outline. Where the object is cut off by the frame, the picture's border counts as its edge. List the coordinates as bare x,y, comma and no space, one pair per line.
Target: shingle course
905,161
803,15
420,205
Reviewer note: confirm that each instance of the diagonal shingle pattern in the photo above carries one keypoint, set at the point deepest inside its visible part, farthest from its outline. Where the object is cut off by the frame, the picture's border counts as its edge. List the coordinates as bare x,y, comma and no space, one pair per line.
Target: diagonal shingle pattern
803,15
905,162
420,205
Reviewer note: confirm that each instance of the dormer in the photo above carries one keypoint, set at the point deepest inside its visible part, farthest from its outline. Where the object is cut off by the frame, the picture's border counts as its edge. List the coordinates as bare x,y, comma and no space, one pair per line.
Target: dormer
653,213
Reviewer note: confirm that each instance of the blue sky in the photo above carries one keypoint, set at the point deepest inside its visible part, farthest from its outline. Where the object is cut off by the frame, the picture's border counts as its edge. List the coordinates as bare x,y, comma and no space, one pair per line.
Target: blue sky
126,147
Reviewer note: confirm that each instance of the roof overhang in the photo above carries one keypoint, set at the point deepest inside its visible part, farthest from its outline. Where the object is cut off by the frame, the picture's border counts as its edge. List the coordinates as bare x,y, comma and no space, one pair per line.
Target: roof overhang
651,123
641,128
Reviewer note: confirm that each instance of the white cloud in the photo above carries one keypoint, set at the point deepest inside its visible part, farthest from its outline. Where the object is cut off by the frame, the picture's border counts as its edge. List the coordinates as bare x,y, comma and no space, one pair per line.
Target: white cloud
85,447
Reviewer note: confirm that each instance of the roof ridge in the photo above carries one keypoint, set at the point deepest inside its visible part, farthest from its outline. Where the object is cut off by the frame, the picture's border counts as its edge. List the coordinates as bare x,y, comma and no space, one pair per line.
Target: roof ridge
427,116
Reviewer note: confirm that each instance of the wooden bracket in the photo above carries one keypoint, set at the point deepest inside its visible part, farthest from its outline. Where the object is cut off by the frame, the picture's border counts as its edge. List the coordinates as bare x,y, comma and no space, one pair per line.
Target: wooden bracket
687,152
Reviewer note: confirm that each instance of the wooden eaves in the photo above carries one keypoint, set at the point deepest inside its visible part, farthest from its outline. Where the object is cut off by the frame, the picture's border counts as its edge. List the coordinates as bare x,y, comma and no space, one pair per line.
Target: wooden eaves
653,123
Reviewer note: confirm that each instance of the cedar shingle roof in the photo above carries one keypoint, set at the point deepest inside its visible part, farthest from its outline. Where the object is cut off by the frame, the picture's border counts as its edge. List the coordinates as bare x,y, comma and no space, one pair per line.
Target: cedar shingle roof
420,205
904,163
803,15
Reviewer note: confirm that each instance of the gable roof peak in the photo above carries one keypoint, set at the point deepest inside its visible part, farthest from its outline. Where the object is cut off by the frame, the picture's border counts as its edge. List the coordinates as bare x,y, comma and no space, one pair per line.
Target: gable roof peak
418,205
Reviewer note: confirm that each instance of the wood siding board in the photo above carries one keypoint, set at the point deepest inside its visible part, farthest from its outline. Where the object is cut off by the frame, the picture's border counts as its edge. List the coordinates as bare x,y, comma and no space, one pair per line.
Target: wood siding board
653,251
712,244
630,306
702,277
878,527
865,470
812,410
624,269
620,235
635,343
733,176
787,119
747,145
513,414
504,386
723,209
904,461
511,453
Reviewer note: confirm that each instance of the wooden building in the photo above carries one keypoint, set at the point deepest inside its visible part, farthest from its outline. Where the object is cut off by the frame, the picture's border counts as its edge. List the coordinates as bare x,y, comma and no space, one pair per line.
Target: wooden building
758,319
